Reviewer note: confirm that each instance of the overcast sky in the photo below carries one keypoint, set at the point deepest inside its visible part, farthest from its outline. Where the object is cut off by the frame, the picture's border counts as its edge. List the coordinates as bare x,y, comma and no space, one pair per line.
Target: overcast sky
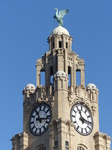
24,28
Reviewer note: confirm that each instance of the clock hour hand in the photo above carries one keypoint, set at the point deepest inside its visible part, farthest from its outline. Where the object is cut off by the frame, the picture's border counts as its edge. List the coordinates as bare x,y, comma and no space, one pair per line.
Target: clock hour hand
40,118
85,121
43,118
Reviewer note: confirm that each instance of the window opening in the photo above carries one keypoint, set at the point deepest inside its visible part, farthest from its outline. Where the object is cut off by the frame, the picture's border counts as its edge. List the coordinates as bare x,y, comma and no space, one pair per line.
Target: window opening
51,80
53,45
56,60
80,148
51,75
56,145
66,145
60,44
42,148
69,75
78,77
66,44
42,78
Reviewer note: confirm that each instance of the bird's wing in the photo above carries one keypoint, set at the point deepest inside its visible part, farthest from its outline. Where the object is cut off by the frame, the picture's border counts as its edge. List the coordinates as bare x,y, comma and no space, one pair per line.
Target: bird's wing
62,13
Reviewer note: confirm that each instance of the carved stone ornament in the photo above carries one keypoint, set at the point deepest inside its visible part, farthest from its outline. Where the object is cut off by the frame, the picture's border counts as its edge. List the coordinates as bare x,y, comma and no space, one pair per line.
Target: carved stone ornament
81,61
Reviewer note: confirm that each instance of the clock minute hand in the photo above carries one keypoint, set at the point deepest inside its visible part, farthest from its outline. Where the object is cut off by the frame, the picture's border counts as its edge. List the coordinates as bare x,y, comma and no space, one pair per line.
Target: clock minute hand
81,118
38,116
37,113
80,114
43,118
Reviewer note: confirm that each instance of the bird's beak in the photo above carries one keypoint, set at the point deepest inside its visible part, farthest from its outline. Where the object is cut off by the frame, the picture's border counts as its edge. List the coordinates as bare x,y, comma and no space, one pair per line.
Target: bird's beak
55,8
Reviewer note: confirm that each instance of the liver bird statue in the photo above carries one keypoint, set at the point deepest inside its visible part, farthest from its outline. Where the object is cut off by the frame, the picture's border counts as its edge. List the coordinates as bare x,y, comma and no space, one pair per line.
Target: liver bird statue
60,16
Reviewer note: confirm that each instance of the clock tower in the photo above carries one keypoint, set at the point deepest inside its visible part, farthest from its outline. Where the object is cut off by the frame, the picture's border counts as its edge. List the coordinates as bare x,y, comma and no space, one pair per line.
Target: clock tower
60,115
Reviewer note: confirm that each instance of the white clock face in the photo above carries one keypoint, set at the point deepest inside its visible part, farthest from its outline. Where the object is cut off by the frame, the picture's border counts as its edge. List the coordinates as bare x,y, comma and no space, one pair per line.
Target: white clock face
40,119
82,119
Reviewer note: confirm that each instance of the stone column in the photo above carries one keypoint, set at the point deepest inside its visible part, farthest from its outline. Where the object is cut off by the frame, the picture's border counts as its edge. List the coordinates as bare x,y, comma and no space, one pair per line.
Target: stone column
47,71
51,137
83,77
66,64
60,65
102,141
20,141
38,69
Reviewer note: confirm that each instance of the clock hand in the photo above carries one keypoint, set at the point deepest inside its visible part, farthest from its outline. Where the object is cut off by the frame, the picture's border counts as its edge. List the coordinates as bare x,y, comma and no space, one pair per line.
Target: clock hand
43,118
37,113
38,116
80,113
82,119
38,119
85,121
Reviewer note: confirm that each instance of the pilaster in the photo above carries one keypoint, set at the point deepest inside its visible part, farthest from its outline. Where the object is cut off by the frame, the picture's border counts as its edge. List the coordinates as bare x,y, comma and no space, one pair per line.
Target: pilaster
20,141
102,141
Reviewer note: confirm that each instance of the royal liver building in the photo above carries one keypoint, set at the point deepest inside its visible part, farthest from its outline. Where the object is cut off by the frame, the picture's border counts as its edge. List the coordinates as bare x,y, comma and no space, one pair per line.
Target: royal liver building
60,115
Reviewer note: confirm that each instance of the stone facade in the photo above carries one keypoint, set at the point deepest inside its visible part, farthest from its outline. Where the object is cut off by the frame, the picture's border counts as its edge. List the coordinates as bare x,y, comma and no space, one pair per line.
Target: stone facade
60,64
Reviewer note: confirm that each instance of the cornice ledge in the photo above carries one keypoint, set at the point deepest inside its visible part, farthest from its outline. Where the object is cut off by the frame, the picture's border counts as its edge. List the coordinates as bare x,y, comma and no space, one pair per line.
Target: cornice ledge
103,135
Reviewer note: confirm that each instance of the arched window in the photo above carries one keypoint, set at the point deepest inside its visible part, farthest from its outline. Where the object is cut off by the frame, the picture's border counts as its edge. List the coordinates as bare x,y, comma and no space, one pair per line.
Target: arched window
69,75
80,148
66,44
42,78
66,145
53,44
56,145
42,148
78,77
60,44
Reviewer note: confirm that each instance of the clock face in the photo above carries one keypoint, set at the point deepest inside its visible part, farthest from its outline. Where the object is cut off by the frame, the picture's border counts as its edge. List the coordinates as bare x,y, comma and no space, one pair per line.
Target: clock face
82,119
40,119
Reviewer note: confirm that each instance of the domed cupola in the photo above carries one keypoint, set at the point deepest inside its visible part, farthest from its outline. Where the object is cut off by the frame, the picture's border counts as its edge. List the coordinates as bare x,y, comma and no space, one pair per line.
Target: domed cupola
60,31
60,38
